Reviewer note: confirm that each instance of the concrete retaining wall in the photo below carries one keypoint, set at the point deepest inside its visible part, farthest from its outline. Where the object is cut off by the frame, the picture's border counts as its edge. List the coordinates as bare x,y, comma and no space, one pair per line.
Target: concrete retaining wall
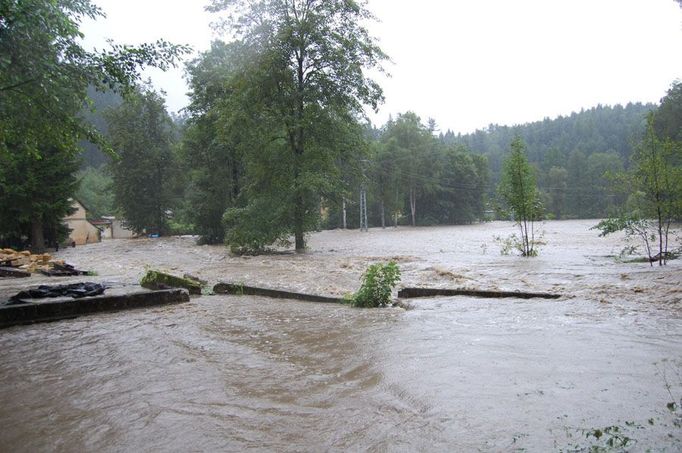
411,293
239,290
28,313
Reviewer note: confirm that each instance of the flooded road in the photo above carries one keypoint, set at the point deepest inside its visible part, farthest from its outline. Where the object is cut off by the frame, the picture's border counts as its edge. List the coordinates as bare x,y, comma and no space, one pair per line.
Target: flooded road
233,373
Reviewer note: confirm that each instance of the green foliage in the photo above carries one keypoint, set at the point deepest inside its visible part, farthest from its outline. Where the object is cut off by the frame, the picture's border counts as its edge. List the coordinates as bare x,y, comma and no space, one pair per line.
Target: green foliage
35,196
654,183
410,143
44,77
44,72
411,174
144,175
210,145
513,242
610,438
177,227
567,142
93,114
96,191
296,95
518,190
377,284
252,229
558,180
668,119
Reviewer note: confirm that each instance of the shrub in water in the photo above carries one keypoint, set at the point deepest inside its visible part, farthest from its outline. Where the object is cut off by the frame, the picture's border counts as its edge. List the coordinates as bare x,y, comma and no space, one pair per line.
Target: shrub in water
377,284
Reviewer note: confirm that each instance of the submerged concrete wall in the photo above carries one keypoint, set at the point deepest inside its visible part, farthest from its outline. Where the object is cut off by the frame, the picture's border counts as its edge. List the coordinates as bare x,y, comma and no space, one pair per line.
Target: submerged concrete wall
30,312
239,290
410,293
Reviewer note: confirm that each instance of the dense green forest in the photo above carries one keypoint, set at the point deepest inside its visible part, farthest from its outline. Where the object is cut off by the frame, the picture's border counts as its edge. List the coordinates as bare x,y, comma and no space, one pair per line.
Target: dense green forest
275,141
572,155
411,174
453,177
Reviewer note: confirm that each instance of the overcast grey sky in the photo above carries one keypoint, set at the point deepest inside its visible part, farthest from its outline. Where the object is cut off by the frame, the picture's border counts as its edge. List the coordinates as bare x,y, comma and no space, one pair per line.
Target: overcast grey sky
468,64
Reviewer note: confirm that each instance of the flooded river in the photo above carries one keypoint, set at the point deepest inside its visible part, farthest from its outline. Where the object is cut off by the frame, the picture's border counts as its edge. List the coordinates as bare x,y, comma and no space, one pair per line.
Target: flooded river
224,373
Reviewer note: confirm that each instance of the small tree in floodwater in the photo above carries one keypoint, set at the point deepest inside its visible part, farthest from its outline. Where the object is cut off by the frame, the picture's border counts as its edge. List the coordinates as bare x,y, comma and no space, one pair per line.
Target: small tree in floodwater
519,192
656,199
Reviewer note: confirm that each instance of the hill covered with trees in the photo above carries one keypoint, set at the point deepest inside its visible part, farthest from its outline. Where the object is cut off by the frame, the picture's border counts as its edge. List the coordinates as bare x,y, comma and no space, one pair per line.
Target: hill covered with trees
571,154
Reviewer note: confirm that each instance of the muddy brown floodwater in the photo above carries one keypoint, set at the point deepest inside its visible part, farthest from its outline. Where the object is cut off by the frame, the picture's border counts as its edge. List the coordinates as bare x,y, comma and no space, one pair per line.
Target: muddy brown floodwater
453,374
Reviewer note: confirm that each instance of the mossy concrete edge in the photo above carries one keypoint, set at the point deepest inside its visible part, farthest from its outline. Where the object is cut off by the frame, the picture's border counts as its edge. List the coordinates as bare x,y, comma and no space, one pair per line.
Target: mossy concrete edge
243,290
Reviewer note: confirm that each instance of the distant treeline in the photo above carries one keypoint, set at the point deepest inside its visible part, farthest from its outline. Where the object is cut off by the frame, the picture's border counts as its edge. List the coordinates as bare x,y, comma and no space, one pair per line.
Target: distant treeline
411,173
572,155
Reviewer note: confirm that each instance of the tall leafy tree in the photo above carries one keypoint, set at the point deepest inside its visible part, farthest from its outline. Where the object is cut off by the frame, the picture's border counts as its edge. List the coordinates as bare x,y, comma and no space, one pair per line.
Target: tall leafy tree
519,192
654,183
580,198
385,183
600,168
44,76
412,146
141,132
31,209
658,175
302,87
462,186
211,145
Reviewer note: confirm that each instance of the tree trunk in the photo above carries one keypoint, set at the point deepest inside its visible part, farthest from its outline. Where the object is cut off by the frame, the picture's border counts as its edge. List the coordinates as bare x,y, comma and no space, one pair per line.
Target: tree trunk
299,220
300,242
383,215
37,237
344,213
299,204
660,236
299,209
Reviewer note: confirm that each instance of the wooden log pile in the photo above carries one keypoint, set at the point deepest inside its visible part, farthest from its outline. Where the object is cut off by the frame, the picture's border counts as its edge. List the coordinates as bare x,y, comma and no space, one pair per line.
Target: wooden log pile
28,262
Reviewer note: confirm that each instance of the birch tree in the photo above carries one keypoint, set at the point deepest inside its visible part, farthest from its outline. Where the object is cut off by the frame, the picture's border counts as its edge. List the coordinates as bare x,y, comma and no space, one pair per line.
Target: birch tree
519,192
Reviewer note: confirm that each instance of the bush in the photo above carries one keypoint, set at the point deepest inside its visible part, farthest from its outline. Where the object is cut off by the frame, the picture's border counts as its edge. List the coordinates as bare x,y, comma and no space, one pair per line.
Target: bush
179,228
248,231
377,284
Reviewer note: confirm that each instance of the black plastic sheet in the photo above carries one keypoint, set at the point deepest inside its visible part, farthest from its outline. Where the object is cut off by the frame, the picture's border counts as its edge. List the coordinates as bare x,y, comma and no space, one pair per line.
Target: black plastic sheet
75,290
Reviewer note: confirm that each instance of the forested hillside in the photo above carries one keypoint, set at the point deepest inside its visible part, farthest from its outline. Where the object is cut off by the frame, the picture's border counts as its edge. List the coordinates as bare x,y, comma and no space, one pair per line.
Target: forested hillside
571,154
93,114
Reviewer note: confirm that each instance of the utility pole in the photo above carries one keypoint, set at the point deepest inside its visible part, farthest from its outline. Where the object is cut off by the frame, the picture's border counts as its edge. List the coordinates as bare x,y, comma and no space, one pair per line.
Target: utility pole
363,197
363,209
